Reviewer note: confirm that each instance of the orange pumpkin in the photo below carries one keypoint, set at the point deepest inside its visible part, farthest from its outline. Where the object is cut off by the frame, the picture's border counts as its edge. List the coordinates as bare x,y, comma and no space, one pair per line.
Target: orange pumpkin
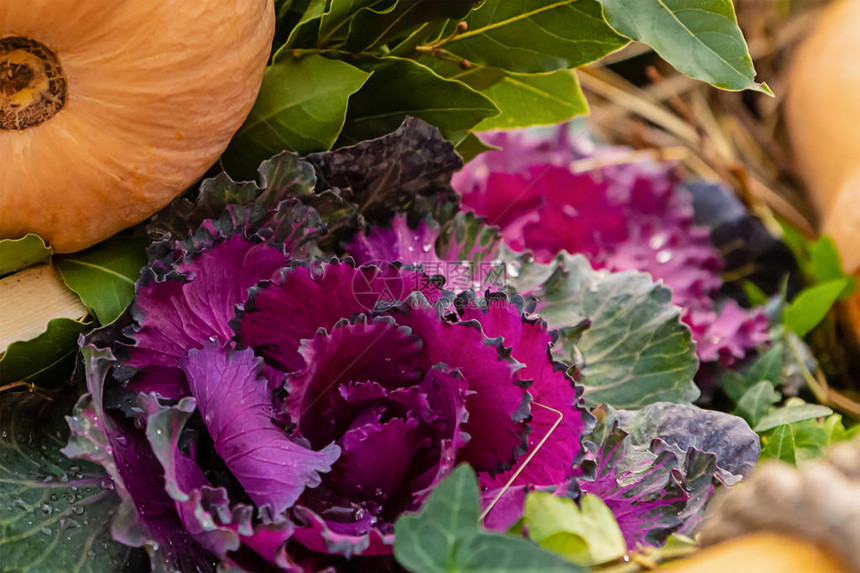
822,113
760,553
111,108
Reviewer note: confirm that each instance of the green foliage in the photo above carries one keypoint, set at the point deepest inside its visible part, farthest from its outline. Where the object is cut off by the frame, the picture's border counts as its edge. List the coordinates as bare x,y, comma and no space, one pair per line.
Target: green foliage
586,533
780,446
825,262
821,266
810,307
471,146
301,108
534,99
462,65
621,330
104,275
18,254
54,512
534,36
446,536
45,360
768,367
401,87
756,402
805,440
374,28
790,414
699,37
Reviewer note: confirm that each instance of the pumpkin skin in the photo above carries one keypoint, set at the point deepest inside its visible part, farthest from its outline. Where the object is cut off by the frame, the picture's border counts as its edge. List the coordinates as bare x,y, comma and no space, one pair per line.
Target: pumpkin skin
822,112
155,90
760,553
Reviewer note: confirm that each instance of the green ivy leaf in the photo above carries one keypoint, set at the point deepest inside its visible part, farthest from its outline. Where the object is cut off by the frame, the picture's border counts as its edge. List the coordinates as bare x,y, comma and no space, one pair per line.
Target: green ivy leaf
17,254
104,275
535,99
700,38
790,415
301,107
492,553
733,384
562,525
428,540
621,330
54,512
534,36
45,360
767,367
756,401
780,445
399,88
446,537
811,306
836,431
812,437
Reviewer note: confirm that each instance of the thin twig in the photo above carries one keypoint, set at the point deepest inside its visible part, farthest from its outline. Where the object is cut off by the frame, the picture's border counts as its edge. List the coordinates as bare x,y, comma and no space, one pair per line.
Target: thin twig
525,463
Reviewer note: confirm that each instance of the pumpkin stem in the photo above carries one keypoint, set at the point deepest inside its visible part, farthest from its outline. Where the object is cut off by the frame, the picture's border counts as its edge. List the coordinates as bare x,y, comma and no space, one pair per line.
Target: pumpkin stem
32,84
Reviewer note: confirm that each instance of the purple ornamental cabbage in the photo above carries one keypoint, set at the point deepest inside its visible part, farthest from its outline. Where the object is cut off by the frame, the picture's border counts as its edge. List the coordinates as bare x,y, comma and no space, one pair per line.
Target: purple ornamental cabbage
622,217
464,250
263,410
655,468
260,411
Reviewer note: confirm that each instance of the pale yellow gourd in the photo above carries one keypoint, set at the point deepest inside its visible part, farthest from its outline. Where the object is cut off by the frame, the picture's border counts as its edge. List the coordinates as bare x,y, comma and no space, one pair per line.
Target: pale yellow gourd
111,108
823,116
760,553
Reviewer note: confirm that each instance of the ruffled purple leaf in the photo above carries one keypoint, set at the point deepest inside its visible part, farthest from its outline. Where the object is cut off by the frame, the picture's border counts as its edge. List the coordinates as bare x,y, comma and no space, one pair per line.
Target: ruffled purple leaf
727,334
399,430
499,403
377,351
682,427
410,166
146,516
377,452
200,506
316,534
554,395
465,245
639,486
236,404
508,505
653,489
206,511
621,216
269,210
400,242
281,313
192,307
